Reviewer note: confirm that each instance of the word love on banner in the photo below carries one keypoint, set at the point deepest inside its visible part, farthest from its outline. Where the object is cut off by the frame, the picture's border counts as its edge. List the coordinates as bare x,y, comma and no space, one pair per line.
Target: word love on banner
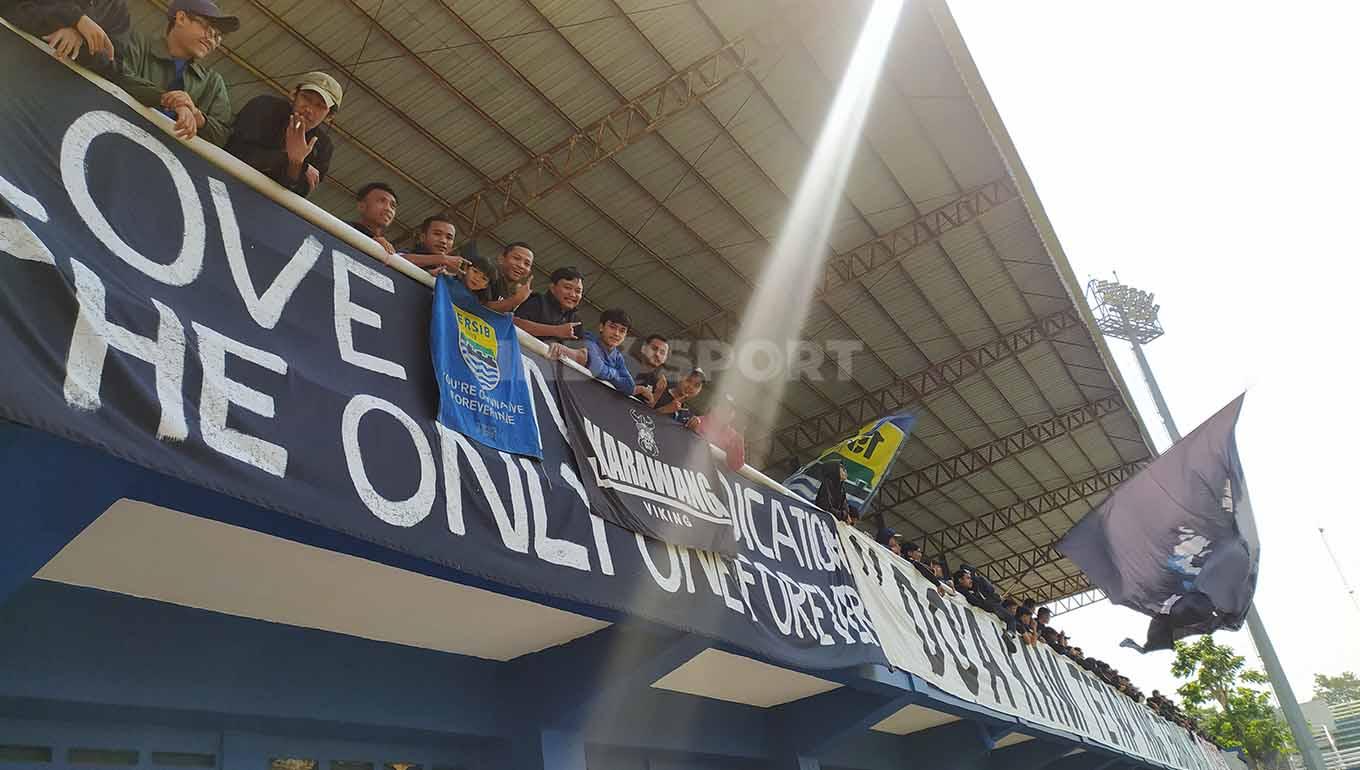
159,310
960,649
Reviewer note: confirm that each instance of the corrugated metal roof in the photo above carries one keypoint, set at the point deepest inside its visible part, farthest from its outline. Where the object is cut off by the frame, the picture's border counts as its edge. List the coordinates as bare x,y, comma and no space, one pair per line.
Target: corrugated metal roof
443,96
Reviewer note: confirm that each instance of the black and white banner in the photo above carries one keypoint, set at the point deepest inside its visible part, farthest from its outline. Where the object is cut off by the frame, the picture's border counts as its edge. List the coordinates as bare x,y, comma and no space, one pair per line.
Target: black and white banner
644,471
960,650
158,309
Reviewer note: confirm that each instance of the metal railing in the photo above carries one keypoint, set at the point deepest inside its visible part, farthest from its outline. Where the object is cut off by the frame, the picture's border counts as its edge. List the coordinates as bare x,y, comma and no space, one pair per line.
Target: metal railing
318,217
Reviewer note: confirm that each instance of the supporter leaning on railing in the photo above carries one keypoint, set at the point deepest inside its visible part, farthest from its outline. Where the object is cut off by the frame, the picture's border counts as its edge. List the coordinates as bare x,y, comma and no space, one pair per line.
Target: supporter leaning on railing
81,30
288,140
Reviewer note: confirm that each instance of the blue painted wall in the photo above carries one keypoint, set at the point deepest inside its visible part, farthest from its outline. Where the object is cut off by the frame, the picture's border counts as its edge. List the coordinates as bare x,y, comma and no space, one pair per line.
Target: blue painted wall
80,664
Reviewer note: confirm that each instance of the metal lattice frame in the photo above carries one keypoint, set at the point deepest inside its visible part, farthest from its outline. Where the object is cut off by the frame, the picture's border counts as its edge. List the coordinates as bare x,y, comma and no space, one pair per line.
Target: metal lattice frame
973,531
885,249
918,481
601,140
821,430
1008,569
1076,601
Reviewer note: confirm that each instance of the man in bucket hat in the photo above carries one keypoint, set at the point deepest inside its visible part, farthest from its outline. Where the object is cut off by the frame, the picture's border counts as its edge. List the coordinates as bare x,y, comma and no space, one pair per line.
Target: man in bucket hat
286,139
165,72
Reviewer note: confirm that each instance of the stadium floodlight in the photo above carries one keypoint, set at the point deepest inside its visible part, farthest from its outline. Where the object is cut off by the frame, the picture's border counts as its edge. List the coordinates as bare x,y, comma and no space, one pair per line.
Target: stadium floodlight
1124,312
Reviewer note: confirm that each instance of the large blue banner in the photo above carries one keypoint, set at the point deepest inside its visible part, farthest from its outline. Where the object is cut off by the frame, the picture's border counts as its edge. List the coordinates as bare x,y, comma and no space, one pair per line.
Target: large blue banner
158,309
482,390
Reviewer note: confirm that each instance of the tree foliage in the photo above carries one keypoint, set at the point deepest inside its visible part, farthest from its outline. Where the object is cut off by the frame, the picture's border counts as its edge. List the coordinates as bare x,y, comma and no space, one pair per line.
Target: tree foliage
1222,696
1337,689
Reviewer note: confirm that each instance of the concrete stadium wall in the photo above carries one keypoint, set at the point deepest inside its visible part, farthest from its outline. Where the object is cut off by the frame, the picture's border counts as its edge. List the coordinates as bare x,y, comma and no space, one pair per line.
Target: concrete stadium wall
81,664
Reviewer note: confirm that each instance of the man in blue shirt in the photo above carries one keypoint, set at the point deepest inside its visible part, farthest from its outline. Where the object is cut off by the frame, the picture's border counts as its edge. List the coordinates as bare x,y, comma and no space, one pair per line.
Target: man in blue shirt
602,354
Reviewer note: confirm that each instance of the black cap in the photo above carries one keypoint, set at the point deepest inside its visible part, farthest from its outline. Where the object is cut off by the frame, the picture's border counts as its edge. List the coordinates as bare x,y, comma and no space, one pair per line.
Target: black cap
208,10
885,535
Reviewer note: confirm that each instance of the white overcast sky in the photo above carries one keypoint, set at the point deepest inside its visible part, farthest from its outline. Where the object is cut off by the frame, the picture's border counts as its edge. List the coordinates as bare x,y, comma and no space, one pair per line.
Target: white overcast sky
1207,152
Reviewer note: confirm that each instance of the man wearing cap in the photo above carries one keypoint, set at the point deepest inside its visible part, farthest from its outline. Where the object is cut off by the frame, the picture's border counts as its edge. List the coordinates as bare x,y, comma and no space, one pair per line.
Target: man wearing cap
165,73
285,140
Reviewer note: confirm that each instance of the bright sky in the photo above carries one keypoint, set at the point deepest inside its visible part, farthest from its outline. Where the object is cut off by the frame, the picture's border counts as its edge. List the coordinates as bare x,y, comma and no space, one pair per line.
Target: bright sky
1207,151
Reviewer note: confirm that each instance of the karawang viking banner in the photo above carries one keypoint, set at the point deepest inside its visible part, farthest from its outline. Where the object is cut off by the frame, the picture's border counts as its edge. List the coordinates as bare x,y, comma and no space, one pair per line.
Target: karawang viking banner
961,650
158,309
644,471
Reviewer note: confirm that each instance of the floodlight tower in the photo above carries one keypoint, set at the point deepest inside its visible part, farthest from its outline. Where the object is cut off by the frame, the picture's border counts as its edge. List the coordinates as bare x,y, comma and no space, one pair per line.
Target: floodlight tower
1130,314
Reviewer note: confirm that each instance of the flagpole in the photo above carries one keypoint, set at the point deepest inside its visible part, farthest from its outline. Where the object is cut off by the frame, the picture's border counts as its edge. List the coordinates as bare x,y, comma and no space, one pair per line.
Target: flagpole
1128,314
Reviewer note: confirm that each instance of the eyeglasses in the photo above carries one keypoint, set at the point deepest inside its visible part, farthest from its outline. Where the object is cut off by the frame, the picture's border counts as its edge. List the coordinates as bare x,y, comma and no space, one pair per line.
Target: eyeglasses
207,25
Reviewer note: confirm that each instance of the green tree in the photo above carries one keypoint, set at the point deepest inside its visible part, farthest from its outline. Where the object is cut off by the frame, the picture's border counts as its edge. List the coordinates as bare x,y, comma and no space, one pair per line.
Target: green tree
1337,689
1222,696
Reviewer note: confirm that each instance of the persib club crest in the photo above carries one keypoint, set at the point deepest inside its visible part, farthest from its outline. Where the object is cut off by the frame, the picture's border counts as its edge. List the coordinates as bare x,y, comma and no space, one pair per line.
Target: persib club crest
477,344
646,433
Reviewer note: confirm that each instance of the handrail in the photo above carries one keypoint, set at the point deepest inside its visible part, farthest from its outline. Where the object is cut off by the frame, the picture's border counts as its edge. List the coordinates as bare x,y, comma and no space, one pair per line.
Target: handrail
319,217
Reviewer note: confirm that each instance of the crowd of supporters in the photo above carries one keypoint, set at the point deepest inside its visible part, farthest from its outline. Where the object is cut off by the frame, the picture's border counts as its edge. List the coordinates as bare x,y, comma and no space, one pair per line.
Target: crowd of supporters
1025,622
286,139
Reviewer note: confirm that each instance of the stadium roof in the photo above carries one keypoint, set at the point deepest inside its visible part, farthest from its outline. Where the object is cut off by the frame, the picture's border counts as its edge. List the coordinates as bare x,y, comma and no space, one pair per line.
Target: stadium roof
656,144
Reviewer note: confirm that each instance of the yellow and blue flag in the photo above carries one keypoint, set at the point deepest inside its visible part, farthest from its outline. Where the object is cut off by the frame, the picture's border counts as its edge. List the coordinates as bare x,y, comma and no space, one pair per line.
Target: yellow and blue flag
867,457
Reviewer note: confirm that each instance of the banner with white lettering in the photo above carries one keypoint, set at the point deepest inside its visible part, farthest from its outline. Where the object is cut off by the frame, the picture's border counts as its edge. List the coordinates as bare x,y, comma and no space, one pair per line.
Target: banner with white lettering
644,471
483,393
161,311
959,649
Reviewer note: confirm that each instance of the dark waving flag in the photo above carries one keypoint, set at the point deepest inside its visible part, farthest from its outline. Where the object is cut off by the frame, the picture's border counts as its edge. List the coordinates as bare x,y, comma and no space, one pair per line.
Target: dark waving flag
1177,541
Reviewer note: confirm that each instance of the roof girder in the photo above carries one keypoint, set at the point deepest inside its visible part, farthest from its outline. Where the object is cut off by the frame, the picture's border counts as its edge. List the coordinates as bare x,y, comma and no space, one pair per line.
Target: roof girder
918,481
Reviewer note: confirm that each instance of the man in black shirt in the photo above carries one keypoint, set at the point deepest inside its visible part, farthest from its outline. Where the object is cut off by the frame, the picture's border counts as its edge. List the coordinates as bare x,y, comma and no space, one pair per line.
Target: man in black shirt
649,382
286,139
84,30
433,249
674,399
514,275
377,204
551,315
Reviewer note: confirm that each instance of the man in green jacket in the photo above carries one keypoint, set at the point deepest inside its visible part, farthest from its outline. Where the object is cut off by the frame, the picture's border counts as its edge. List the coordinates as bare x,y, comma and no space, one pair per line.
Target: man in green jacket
165,72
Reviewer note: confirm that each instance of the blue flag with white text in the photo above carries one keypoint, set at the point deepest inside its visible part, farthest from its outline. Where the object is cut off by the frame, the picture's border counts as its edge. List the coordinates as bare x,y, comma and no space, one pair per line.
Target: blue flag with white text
483,393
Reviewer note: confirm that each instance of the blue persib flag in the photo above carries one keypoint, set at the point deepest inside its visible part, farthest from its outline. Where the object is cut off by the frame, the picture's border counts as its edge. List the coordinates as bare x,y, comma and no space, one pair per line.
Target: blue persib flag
1178,541
483,393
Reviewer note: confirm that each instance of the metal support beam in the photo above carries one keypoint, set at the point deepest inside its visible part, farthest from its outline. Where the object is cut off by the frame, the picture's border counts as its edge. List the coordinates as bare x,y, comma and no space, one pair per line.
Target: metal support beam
897,243
1009,568
918,481
885,249
1076,601
973,531
821,430
601,140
